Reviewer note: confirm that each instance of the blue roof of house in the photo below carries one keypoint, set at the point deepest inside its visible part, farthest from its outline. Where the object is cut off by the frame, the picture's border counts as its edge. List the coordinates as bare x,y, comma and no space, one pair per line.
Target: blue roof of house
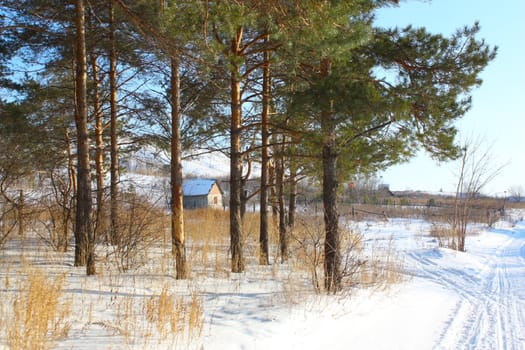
197,187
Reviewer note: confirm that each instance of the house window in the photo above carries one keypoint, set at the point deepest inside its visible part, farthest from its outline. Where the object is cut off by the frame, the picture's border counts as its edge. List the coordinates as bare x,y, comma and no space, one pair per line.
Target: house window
215,200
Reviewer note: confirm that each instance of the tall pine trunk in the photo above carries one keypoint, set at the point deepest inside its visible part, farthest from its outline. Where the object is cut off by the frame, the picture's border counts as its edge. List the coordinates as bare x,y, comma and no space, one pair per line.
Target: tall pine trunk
114,176
292,197
272,187
70,193
177,213
279,184
84,248
332,263
265,159
236,157
332,259
99,146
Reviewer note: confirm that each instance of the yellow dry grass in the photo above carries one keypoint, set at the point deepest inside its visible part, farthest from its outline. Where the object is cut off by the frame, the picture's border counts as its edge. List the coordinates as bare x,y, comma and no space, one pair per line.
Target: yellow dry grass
38,313
175,317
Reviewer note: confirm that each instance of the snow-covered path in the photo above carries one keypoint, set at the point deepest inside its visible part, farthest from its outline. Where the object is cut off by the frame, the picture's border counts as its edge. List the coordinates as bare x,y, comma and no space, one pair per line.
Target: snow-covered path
490,309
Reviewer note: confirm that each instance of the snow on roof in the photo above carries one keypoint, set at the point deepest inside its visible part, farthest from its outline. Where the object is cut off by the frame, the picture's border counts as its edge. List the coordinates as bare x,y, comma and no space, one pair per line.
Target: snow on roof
197,187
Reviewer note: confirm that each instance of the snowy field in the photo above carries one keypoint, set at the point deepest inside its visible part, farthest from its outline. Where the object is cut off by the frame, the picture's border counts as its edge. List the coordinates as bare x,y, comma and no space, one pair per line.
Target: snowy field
445,299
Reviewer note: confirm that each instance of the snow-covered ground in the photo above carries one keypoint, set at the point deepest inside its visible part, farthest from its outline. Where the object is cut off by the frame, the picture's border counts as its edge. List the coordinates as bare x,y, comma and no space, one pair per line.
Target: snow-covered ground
447,299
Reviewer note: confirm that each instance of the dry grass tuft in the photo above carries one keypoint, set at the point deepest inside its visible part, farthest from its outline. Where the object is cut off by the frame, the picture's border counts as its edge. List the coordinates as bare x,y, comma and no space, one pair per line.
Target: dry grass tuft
195,316
35,315
444,235
38,316
376,266
175,317
307,254
207,225
163,312
208,241
383,268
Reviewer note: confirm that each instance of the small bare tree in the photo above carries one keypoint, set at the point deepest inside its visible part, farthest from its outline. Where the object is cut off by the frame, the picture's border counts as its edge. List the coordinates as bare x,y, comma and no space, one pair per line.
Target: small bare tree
476,169
308,250
308,239
140,224
516,192
9,216
58,206
13,172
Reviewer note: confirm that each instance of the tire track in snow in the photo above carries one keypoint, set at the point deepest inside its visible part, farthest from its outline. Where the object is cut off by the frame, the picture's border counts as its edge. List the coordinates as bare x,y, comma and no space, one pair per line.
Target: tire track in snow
494,319
490,313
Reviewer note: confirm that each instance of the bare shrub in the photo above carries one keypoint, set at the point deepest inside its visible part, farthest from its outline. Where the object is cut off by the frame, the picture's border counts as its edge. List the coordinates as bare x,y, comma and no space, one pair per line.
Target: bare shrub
444,235
250,236
307,248
11,213
138,227
308,251
351,252
60,207
56,221
383,266
476,169
7,220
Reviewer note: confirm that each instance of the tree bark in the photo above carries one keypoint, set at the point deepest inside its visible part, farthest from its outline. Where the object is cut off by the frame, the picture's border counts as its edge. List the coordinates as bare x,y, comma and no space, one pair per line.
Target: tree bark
99,146
114,173
71,163
279,184
265,159
20,213
71,190
272,183
84,248
236,157
332,263
332,260
177,212
244,197
292,199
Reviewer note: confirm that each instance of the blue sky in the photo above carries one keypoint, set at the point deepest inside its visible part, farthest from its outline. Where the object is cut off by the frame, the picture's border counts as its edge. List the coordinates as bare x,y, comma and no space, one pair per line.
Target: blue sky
498,111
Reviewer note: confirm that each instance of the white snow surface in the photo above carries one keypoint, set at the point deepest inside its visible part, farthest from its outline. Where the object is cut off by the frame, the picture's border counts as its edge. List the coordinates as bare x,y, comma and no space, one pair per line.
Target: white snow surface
448,300
195,163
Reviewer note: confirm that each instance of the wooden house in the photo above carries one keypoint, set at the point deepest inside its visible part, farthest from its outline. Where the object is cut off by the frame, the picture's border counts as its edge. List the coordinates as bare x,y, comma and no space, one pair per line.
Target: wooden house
202,193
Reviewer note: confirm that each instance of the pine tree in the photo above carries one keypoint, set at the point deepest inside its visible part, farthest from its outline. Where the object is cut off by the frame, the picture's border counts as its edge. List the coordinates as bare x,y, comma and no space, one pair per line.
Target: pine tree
171,26
84,249
233,27
113,169
363,122
264,256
